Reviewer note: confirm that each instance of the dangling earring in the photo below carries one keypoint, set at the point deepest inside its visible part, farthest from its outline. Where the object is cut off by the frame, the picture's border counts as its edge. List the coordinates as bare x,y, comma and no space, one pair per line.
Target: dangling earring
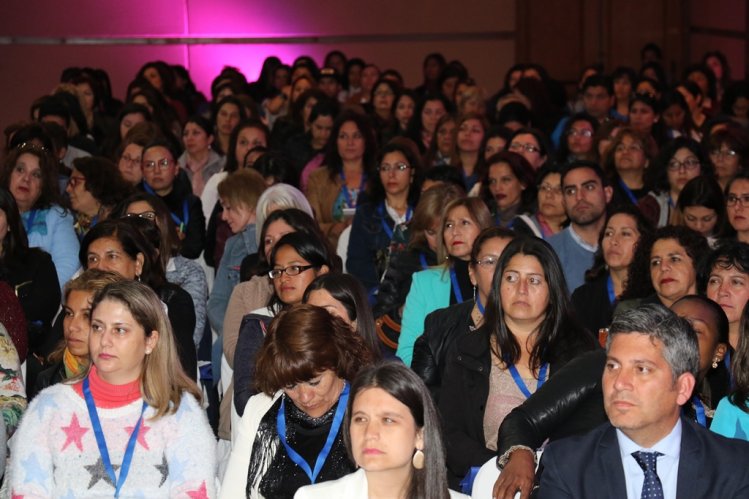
715,362
474,293
418,459
137,277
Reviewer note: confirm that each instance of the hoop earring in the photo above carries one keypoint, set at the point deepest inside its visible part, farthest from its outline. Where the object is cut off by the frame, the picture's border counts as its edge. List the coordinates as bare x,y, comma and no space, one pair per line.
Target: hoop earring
418,459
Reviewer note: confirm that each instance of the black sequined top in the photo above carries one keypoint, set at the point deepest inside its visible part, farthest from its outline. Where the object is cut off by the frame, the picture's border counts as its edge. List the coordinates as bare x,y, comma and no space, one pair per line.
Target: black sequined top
279,476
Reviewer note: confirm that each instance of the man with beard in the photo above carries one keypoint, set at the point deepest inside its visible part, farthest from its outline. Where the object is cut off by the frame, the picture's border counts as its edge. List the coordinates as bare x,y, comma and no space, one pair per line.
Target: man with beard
586,193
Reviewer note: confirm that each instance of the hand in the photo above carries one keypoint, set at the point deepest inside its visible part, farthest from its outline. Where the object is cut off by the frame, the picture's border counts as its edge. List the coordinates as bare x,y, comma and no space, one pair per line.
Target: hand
519,474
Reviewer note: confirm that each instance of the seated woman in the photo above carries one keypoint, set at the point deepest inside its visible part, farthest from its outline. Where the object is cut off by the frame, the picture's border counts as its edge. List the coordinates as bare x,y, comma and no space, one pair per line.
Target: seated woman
626,165
295,261
529,333
414,248
442,327
71,358
442,150
31,275
391,197
199,160
664,267
94,189
343,296
333,190
291,432
30,174
572,402
724,278
508,187
703,208
605,282
678,162
549,217
411,460
577,139
728,151
462,220
470,135
731,418
134,391
239,193
181,271
737,190
119,246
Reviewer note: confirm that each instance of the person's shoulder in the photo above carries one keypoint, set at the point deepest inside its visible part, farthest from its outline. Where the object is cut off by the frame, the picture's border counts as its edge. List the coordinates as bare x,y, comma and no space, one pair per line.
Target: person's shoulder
717,446
575,443
432,274
353,485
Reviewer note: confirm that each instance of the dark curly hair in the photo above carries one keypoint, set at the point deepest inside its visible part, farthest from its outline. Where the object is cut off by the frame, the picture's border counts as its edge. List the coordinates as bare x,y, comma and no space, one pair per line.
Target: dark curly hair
639,283
103,180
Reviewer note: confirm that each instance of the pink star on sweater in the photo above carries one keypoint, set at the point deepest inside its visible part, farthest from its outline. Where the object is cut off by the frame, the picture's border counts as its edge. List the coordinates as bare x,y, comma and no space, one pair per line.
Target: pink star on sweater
74,433
201,493
141,434
16,496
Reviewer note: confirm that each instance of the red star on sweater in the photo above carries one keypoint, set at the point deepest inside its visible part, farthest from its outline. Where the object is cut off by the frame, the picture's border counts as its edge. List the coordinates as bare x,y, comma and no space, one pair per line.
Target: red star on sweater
74,433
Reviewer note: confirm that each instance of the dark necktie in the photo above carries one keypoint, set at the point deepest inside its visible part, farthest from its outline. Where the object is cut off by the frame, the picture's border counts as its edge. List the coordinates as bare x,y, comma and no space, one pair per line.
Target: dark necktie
651,487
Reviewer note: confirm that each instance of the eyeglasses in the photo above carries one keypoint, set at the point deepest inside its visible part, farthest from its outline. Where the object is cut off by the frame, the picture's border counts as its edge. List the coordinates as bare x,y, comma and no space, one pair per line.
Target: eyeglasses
732,199
398,167
74,181
146,215
630,148
290,271
383,93
487,261
576,132
517,147
688,164
133,160
163,164
551,189
722,153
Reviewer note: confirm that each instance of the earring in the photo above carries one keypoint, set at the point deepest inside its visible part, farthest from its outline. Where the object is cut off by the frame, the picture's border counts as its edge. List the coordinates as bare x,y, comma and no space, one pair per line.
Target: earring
474,293
418,459
137,277
148,352
715,362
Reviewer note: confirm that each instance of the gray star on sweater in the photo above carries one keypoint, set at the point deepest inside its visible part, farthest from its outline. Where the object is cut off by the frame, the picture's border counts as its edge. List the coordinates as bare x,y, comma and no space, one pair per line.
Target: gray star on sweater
98,472
163,469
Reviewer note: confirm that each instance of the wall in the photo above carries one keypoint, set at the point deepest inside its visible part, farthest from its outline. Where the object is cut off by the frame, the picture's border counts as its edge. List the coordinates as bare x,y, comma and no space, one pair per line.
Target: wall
202,34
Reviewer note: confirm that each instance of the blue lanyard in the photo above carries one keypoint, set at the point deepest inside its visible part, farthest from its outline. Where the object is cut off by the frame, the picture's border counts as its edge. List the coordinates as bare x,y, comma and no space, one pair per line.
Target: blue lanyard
30,223
294,455
102,443
479,305
628,191
727,363
423,261
700,410
383,219
181,222
456,287
519,380
610,288
346,193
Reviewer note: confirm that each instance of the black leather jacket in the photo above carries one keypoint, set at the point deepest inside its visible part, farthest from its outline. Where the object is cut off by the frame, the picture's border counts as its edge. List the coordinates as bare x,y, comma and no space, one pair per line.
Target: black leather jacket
441,327
570,402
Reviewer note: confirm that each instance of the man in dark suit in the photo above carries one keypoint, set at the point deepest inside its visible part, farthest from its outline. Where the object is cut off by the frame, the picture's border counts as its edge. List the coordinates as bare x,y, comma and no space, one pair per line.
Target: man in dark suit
647,450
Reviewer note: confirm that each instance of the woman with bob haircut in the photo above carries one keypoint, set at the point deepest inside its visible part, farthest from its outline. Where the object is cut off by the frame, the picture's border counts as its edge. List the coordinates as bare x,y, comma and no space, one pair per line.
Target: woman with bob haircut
412,462
508,187
303,372
529,333
133,406
702,206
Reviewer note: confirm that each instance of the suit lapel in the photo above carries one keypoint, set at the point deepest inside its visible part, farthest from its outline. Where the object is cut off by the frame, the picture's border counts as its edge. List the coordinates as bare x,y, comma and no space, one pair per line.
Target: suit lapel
689,462
610,462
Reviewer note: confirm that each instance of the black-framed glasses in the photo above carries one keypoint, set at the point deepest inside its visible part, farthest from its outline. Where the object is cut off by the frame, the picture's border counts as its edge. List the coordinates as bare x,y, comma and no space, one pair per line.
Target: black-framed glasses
398,167
163,164
146,215
688,164
73,181
517,147
290,271
733,199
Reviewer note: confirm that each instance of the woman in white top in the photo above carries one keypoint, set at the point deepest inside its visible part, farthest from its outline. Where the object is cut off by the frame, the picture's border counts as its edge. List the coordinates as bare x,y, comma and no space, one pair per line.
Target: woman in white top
393,433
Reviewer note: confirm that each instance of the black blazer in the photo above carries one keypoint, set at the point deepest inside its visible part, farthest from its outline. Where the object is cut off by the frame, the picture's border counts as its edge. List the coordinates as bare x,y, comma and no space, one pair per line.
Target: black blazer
591,466
592,306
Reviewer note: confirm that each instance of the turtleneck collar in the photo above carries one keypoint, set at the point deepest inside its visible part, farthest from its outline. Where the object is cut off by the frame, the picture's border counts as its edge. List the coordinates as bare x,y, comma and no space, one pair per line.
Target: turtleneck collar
108,396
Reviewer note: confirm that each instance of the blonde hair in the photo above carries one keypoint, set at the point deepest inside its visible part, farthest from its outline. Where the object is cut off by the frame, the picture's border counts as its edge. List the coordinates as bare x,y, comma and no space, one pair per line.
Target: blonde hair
242,188
162,380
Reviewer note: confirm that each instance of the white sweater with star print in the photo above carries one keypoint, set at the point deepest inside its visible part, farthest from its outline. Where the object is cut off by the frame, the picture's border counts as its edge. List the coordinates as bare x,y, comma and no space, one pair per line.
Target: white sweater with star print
54,452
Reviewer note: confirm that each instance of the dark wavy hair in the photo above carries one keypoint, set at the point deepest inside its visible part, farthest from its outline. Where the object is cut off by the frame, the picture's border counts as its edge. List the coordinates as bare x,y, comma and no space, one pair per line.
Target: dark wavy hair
521,169
729,253
660,165
644,227
15,244
303,341
375,189
332,157
103,180
231,154
50,191
705,191
406,387
740,366
348,290
639,283
559,334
